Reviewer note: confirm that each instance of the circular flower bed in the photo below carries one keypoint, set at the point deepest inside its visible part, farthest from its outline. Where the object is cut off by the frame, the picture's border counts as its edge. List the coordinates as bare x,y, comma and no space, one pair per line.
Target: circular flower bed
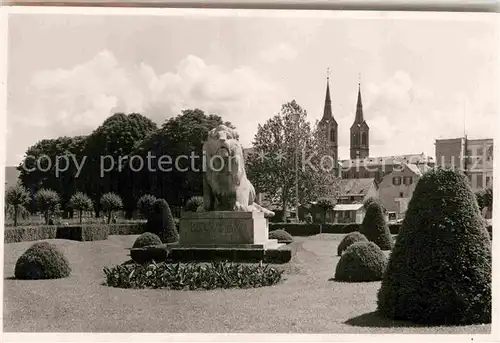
42,261
362,261
192,275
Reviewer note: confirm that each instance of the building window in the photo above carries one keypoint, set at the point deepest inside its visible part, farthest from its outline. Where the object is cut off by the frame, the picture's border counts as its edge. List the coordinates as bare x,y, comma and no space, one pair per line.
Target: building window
407,180
396,180
480,152
487,181
489,154
364,138
332,135
479,180
400,194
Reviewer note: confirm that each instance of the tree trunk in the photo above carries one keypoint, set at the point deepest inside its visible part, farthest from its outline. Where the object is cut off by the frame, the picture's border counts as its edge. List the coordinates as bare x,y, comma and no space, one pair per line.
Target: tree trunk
81,214
285,205
46,215
109,217
16,209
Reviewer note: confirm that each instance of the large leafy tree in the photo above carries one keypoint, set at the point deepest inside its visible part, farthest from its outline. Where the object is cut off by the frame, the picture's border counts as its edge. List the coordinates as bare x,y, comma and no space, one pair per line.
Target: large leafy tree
107,150
182,135
286,146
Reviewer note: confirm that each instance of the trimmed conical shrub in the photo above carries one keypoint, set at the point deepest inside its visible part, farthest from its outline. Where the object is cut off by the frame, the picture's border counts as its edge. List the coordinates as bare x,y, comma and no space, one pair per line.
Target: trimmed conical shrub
161,222
146,239
42,261
350,239
361,262
375,228
439,271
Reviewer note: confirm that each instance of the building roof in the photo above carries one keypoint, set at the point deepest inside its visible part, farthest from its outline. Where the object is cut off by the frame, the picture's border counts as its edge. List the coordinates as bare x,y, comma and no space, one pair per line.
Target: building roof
347,207
388,160
413,167
351,187
327,110
359,109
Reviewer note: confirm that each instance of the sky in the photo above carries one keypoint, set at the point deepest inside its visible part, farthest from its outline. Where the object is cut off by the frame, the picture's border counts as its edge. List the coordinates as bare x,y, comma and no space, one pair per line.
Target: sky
422,77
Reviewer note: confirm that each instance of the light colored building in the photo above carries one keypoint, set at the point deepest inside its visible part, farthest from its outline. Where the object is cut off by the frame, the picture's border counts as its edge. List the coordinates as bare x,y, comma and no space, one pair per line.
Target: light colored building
473,156
396,189
349,213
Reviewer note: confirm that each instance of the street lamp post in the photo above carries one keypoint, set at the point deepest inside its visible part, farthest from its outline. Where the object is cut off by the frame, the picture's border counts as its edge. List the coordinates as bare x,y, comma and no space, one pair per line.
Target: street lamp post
296,118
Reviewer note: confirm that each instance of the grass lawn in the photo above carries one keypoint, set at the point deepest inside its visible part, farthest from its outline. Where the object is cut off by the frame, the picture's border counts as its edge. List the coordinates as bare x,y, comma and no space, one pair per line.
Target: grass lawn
307,301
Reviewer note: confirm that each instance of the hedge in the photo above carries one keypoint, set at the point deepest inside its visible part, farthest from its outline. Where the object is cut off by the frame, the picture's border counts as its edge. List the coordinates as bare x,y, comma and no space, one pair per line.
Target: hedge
83,233
297,229
29,233
304,229
74,232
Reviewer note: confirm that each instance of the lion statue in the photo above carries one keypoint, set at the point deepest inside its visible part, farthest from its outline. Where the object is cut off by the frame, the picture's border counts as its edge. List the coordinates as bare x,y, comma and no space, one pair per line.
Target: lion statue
225,183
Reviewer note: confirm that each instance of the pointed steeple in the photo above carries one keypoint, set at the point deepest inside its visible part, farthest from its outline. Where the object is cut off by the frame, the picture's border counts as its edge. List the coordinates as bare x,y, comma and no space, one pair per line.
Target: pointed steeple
359,108
327,110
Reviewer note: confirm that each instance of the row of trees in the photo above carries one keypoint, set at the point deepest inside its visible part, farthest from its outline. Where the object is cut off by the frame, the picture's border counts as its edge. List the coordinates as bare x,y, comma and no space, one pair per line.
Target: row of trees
48,202
122,136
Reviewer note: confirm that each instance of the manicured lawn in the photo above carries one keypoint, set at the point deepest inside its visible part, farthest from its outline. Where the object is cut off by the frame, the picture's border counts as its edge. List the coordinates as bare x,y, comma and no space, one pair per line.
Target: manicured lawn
306,302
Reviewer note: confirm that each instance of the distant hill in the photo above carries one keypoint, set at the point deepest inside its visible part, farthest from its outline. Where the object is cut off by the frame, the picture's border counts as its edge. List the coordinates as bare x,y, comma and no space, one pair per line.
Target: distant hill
11,176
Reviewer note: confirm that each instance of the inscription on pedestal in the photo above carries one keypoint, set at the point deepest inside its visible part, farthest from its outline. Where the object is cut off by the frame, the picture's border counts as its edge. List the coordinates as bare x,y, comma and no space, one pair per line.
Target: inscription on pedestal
223,229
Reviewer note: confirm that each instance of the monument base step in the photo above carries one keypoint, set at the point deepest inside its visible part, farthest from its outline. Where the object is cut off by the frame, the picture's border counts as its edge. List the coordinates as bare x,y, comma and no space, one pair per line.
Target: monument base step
273,253
270,244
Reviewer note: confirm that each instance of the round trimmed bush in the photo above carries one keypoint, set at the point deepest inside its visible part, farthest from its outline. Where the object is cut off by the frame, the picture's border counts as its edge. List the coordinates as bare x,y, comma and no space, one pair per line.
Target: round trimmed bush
281,235
146,239
350,239
439,271
42,261
375,228
362,261
161,222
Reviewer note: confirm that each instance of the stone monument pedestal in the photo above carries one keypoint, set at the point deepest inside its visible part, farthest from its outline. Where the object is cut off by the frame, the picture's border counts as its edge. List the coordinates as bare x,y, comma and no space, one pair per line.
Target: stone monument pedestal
227,235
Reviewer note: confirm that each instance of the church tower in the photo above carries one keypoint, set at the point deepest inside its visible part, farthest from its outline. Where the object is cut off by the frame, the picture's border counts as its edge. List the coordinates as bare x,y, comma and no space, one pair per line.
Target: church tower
360,132
330,128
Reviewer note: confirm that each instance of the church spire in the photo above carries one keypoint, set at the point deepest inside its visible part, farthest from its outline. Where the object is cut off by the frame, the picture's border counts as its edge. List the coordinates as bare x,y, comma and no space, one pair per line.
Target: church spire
327,111
359,107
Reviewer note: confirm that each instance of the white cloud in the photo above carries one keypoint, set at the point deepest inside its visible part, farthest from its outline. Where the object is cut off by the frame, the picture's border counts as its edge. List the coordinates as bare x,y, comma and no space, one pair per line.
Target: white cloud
278,53
77,100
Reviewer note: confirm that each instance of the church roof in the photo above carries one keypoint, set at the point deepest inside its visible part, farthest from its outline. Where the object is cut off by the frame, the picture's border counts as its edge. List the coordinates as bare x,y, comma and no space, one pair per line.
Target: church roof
388,160
327,110
359,118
